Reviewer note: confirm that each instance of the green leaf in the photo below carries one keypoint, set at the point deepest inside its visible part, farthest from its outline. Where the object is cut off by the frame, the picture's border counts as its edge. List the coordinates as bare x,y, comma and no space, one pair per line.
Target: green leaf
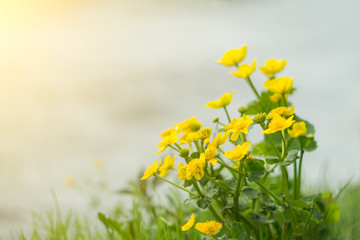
262,105
250,192
211,189
103,219
261,218
299,204
238,231
204,202
263,148
272,160
110,223
290,158
187,183
310,145
254,169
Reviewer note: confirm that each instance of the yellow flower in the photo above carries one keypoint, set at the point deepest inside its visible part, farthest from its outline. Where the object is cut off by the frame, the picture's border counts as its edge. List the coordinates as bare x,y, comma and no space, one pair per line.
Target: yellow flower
210,153
279,85
99,164
299,129
220,139
208,227
239,152
195,168
190,137
233,56
245,70
169,137
272,66
167,165
182,171
277,97
205,134
151,170
70,181
189,223
238,125
188,125
223,101
279,123
282,111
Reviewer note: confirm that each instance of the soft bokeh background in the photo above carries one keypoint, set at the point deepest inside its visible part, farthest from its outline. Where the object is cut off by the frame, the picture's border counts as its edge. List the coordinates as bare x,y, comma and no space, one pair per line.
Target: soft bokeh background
88,80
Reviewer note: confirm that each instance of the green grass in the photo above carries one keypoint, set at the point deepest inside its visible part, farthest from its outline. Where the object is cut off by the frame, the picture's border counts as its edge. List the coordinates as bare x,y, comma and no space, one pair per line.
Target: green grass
155,216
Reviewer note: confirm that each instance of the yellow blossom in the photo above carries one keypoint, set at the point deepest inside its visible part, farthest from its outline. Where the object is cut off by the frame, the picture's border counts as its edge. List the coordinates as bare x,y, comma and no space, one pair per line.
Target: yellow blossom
233,56
223,101
299,129
190,137
189,223
279,123
188,125
220,139
169,137
279,85
239,152
245,70
210,153
205,134
238,125
99,164
277,97
282,111
166,167
272,66
70,181
195,168
208,227
182,171
151,170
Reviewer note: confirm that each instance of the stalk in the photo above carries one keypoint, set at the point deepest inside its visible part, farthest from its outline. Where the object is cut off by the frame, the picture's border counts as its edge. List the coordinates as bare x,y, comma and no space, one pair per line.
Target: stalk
176,185
299,174
219,184
283,168
295,180
248,80
271,141
227,114
240,182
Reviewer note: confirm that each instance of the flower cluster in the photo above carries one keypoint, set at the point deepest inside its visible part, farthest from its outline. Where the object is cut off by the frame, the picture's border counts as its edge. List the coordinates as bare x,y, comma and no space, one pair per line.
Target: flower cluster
204,166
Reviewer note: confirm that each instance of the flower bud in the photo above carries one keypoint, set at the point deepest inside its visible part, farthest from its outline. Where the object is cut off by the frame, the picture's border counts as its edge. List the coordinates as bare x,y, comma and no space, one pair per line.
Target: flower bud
310,135
215,119
242,110
260,118
184,153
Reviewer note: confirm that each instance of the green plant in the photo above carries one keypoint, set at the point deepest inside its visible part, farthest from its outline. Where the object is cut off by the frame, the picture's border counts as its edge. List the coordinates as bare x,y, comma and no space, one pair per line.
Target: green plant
247,199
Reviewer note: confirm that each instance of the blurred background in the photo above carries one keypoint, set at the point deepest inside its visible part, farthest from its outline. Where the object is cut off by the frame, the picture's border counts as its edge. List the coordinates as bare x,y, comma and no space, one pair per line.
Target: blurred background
86,83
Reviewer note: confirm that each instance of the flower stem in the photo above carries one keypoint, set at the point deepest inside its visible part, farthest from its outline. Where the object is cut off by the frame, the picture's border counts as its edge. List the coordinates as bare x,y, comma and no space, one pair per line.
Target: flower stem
239,183
176,185
270,193
219,184
252,87
295,180
227,114
299,174
271,141
178,146
174,148
197,146
227,166
283,168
